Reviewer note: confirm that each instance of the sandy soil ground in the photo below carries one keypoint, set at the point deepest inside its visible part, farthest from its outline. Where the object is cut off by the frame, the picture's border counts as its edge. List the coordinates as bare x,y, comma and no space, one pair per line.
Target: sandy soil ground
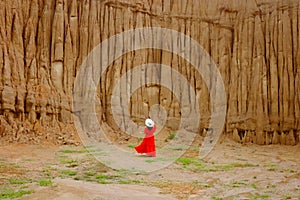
231,171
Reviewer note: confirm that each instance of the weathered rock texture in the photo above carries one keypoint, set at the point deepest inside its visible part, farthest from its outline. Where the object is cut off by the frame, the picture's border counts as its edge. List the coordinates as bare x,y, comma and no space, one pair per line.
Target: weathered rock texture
255,44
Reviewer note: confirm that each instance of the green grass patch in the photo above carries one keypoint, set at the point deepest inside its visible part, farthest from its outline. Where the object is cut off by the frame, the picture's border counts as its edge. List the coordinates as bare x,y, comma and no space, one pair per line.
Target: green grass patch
136,181
125,182
193,164
261,196
243,165
90,173
50,171
188,161
237,184
103,182
150,160
230,166
15,181
217,198
73,151
107,176
197,165
102,176
68,172
9,193
131,146
270,165
45,182
223,167
202,184
171,136
9,165
69,162
253,185
89,146
24,187
129,182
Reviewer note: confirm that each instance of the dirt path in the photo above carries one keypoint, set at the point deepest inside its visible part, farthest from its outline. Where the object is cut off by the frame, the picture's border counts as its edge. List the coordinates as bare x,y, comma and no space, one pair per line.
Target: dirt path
231,171
76,190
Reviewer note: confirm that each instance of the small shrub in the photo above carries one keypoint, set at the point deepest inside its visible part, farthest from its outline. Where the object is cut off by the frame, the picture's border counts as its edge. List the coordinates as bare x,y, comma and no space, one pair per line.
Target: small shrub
171,136
45,182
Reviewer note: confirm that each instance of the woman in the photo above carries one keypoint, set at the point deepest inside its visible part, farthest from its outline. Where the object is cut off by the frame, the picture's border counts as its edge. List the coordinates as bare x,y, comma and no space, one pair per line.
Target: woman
147,147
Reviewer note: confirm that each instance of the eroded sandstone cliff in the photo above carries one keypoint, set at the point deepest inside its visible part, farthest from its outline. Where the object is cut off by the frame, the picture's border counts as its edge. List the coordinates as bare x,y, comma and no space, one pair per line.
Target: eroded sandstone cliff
254,43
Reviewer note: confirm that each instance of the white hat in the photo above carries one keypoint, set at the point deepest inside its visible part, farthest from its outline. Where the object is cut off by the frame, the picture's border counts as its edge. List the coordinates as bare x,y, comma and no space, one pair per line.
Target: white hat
149,122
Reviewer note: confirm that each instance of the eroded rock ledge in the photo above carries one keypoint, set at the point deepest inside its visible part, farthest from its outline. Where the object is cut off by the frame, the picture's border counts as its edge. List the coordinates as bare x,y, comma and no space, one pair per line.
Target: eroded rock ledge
255,44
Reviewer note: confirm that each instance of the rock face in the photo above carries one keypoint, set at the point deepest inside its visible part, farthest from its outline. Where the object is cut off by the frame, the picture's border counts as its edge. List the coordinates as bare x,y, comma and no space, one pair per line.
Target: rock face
255,45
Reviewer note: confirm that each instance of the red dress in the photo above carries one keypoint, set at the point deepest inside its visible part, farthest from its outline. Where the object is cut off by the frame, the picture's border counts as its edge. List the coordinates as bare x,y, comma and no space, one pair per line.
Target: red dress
148,144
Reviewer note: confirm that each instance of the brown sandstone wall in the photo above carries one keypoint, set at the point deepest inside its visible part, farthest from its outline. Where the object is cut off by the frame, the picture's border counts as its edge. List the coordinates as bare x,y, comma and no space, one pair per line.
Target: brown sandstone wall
255,44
